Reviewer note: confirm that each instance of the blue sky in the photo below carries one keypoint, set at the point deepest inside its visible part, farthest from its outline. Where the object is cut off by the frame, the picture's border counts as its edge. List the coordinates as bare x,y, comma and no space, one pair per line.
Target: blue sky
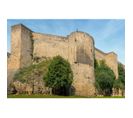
108,34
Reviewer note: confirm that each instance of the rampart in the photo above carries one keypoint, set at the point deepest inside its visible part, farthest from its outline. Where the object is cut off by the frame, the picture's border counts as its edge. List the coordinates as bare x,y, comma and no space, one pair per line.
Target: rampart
78,48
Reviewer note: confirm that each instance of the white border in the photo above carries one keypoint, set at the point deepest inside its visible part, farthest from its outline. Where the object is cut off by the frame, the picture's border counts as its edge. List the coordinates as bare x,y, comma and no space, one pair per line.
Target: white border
82,108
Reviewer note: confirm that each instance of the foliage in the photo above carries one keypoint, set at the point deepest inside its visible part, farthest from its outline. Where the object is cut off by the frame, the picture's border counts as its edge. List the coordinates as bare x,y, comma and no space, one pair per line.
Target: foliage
59,76
104,78
95,63
27,73
120,82
121,72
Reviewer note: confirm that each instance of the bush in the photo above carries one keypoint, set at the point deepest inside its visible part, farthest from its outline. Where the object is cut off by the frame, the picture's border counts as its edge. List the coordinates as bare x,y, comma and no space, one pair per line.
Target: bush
104,78
120,82
59,76
121,71
27,73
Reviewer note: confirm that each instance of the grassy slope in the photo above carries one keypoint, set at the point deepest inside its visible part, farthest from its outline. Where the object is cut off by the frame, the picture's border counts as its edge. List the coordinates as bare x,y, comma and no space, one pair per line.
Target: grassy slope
32,71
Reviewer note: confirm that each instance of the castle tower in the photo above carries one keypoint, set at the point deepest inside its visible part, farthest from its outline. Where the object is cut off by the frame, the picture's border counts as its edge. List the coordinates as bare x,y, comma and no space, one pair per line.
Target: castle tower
21,49
81,57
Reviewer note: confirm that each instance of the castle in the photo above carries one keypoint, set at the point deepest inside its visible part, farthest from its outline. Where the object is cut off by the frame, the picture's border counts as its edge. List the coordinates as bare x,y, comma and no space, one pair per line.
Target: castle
78,48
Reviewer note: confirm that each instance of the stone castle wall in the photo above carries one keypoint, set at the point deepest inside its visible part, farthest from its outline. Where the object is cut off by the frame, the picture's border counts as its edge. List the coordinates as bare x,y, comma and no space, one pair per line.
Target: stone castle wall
109,58
21,50
77,48
49,46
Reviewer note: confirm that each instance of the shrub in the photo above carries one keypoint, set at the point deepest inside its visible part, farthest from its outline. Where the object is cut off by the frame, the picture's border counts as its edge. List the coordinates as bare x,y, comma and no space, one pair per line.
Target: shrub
121,71
120,82
27,73
104,78
59,76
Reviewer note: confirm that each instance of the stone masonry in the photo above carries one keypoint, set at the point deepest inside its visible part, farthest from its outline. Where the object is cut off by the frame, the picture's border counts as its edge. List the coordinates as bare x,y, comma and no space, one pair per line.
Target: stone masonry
78,48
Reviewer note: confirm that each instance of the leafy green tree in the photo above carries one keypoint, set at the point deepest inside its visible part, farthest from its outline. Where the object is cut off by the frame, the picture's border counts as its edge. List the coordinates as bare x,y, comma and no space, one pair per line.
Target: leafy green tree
59,76
104,78
121,71
120,82
95,63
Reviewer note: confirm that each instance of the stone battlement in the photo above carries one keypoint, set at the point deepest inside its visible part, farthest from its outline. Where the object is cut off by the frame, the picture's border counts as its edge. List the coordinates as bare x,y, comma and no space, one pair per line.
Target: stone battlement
41,36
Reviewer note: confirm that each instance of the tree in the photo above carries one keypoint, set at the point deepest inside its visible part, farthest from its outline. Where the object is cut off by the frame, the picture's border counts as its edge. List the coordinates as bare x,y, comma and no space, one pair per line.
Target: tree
121,72
104,78
120,82
59,76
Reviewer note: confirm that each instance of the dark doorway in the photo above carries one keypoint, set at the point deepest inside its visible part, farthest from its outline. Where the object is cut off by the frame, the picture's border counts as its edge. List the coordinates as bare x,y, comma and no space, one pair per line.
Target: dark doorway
64,91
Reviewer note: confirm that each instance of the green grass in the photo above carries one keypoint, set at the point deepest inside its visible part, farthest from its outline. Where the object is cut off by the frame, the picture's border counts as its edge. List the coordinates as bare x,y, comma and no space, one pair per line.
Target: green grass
42,96
56,96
